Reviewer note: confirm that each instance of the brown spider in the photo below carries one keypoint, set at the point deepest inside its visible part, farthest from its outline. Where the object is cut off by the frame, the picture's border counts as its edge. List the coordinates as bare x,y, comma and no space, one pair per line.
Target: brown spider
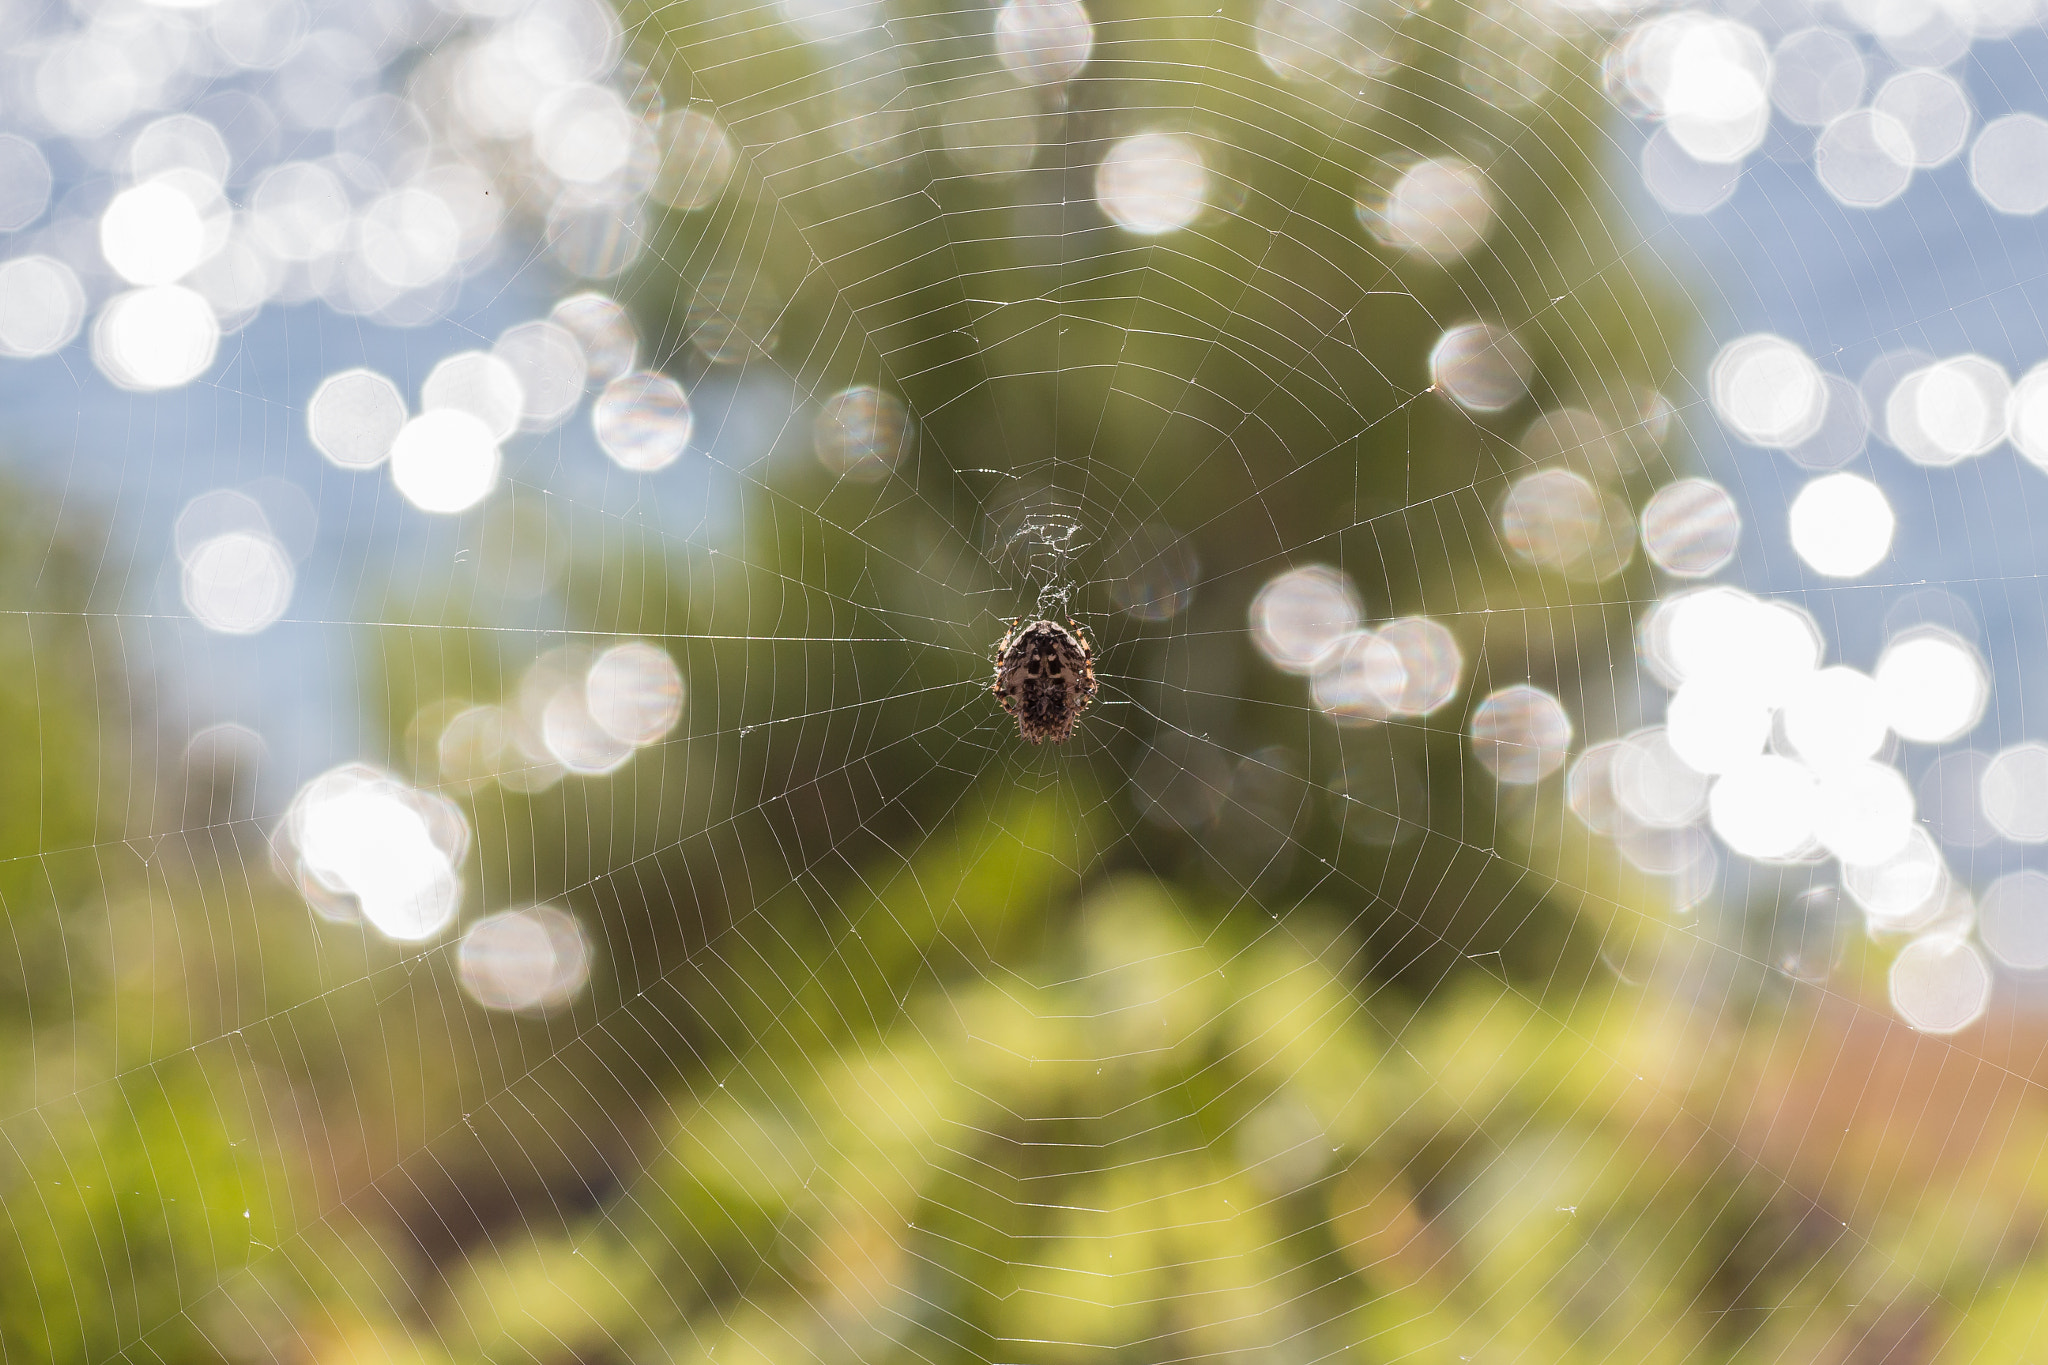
1045,677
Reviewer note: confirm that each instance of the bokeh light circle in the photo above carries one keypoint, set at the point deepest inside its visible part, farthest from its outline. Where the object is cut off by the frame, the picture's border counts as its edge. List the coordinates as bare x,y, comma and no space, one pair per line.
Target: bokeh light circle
550,367
1043,42
1590,793
1557,520
1716,723
2009,164
445,461
1842,525
634,692
1152,183
573,737
1521,734
533,959
602,327
642,421
354,416
1653,784
1863,812
1690,528
698,158
1439,209
862,433
1948,411
1933,109
1358,679
42,306
2012,919
1940,983
1767,390
161,337
2014,790
1835,715
1764,808
1431,664
1481,367
1817,75
1906,891
237,583
480,384
1864,158
1933,685
1299,615
152,234
25,182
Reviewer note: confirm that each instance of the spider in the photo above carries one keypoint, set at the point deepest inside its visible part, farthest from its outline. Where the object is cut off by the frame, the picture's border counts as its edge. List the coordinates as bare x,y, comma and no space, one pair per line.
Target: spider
1045,677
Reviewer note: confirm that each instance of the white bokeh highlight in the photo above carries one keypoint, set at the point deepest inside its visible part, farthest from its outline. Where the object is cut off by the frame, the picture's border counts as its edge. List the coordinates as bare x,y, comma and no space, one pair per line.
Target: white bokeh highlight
238,582
1842,525
1767,390
1299,615
360,844
1521,734
529,960
445,461
1152,183
354,418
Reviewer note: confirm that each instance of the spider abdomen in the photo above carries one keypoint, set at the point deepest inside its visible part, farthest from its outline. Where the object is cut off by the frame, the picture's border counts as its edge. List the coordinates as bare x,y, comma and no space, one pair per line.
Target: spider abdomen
1045,677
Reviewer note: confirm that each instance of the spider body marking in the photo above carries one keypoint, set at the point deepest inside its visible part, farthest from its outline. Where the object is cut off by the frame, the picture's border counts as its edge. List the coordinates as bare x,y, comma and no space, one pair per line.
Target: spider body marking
1045,677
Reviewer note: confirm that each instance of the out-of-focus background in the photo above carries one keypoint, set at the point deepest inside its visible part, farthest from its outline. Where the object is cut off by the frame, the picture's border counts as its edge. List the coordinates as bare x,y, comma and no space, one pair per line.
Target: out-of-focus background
507,852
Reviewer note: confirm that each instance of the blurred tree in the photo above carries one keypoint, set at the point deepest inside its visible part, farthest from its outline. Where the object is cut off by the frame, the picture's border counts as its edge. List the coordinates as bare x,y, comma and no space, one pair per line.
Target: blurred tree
1098,411
1140,431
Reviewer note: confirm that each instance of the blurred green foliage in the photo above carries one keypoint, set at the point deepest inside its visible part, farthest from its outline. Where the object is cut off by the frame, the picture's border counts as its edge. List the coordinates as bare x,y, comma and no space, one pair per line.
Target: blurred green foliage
122,1187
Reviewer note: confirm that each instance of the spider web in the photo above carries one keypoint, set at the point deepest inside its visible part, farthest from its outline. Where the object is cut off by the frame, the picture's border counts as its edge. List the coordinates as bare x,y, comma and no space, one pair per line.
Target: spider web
608,917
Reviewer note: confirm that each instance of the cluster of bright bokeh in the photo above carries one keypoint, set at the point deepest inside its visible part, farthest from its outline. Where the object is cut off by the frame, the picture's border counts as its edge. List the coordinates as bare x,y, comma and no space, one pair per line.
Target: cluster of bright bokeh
1781,757
1936,412
1784,760
531,959
1311,621
173,168
1765,750
237,574
210,158
1567,513
1824,781
446,458
575,711
168,170
365,846
1872,102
